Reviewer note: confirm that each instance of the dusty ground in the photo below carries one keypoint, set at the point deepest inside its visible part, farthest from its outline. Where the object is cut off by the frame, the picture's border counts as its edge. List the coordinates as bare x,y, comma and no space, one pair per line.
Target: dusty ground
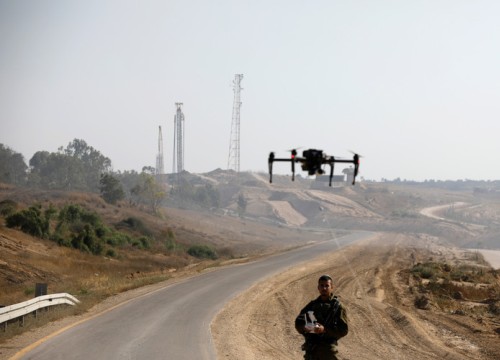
258,324
384,324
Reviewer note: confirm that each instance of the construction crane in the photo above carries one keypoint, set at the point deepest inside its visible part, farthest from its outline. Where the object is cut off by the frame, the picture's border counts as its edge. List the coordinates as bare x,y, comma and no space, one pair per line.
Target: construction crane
178,162
234,143
159,157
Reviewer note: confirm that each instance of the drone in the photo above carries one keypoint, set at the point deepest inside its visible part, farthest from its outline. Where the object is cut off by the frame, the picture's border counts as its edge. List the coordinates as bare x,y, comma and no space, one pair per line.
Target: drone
312,161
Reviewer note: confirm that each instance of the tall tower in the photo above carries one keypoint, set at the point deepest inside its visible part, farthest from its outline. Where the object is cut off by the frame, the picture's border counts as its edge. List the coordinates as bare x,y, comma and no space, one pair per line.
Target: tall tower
159,158
178,163
234,143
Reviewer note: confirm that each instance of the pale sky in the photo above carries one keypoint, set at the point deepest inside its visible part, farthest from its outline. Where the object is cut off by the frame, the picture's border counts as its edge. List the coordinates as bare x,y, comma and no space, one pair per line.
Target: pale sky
413,86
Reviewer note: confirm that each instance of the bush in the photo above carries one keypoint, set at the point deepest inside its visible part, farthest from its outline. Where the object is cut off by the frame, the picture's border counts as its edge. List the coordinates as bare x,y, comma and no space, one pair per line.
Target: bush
7,207
111,189
425,271
145,242
30,221
202,252
81,229
134,224
118,239
142,242
111,253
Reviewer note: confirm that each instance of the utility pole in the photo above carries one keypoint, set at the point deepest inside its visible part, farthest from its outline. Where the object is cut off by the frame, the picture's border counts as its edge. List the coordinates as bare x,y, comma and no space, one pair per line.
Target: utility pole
178,162
234,142
159,158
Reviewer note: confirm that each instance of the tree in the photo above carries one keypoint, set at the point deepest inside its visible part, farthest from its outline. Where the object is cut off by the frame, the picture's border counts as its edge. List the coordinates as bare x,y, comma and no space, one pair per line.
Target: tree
242,204
78,167
94,163
12,166
56,171
111,189
149,191
129,179
186,194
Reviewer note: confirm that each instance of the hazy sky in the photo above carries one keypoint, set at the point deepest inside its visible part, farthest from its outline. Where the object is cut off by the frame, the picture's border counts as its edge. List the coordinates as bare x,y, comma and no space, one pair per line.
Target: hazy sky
413,85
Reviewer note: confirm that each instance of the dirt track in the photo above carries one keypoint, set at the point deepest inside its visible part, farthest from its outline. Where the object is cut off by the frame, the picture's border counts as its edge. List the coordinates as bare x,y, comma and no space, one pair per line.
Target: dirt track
384,324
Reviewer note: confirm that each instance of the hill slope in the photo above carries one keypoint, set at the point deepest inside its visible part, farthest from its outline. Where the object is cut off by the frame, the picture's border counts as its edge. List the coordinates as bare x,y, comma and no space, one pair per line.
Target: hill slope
275,217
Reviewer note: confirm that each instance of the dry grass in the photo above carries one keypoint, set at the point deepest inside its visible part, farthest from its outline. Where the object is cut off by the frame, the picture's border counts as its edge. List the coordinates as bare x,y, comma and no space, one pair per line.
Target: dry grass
89,279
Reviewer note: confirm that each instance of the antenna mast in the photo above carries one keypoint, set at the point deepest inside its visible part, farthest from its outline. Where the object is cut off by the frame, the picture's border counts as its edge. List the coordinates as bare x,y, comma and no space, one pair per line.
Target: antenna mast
234,143
159,158
178,163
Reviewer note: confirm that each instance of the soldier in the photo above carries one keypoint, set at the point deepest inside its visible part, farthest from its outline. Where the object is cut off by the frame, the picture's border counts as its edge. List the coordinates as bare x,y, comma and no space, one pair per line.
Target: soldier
329,323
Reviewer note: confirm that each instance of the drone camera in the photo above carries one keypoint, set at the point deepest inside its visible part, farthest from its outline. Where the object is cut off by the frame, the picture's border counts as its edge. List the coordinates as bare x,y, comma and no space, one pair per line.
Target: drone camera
313,161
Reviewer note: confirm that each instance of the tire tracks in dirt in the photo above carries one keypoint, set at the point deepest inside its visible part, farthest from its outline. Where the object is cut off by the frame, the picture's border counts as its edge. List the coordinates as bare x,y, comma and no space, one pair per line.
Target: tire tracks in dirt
384,323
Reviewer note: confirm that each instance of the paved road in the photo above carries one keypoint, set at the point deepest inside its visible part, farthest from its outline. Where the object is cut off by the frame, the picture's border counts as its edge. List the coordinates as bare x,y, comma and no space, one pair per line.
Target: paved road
174,322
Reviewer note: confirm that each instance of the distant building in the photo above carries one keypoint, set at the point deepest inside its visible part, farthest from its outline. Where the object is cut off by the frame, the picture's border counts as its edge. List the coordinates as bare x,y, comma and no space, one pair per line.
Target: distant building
349,172
324,180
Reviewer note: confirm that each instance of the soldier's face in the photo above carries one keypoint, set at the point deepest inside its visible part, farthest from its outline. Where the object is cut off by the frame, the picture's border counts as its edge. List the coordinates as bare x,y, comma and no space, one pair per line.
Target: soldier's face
325,287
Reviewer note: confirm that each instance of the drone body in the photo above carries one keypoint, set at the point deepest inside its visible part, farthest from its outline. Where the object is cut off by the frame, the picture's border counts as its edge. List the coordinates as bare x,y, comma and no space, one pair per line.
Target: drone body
312,161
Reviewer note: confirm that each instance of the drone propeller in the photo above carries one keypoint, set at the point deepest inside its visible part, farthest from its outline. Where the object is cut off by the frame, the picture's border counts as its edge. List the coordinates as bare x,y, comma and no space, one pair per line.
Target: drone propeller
293,152
355,153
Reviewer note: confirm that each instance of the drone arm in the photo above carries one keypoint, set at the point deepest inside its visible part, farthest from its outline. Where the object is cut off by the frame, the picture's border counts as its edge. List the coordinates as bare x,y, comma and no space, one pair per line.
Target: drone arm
273,159
332,164
355,160
270,161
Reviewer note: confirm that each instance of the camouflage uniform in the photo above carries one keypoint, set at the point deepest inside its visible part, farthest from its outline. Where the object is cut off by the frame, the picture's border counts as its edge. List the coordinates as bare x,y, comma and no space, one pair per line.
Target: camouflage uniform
333,317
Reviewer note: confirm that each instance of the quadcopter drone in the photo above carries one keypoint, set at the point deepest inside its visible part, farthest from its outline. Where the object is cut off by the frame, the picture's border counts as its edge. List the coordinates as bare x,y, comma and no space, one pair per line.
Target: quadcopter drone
312,161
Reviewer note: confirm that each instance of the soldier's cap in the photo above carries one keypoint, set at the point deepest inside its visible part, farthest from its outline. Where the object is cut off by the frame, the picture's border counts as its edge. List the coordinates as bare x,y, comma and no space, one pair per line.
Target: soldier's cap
325,277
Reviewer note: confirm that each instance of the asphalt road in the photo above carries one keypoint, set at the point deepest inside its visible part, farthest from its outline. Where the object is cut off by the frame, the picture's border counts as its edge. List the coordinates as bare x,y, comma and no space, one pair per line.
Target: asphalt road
174,322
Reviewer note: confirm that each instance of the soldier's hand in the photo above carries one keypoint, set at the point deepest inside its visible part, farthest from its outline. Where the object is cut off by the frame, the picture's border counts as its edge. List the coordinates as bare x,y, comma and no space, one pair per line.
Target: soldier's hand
319,329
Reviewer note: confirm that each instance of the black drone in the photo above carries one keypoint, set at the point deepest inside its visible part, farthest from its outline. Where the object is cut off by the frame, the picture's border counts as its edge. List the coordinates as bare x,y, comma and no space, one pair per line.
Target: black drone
312,161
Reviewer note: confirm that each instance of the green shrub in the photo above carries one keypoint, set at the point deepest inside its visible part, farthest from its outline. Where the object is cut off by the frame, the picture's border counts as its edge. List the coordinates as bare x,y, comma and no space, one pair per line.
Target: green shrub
81,229
118,239
7,207
145,242
142,242
202,252
425,271
111,253
30,221
134,224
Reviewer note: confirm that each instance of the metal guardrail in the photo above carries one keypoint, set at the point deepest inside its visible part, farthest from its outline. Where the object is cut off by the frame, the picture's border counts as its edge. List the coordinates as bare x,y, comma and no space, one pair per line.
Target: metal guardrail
20,310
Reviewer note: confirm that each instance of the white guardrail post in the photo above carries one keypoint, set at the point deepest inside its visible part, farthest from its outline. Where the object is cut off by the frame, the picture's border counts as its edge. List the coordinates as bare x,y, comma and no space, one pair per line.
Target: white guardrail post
11,312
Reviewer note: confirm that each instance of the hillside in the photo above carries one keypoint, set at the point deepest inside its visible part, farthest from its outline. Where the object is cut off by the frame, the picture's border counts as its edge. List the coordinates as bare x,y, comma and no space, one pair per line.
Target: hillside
270,218
26,260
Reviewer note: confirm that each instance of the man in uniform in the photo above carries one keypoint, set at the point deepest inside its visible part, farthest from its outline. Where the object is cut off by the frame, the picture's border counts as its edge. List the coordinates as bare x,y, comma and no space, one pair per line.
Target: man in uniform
330,325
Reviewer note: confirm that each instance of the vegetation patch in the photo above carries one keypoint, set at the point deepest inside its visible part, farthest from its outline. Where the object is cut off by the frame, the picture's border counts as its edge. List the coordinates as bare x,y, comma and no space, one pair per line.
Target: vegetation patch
203,252
459,289
75,227
32,220
7,207
187,195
